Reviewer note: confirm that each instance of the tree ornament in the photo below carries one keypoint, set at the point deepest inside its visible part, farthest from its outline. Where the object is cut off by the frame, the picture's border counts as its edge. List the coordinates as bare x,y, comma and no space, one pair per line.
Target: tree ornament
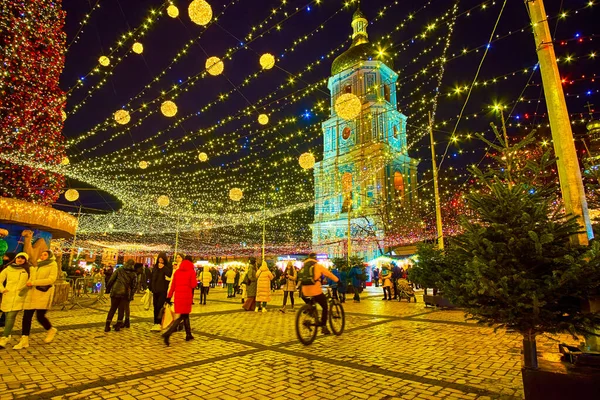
137,48
267,61
63,115
173,11
168,108
200,12
71,195
203,157
236,194
162,201
263,119
65,161
122,117
214,66
348,106
143,164
307,161
104,61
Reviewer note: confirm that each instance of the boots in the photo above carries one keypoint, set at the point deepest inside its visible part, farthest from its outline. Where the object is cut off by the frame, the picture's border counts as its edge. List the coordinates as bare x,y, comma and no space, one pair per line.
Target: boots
166,336
127,324
118,326
50,335
4,341
107,326
188,330
23,344
282,309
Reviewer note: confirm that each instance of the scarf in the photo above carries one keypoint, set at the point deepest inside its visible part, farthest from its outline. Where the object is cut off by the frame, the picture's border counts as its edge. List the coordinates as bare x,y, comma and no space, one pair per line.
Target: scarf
48,261
24,266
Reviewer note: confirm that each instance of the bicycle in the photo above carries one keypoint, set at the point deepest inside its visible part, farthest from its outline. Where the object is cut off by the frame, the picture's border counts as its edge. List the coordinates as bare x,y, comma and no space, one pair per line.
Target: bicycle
308,319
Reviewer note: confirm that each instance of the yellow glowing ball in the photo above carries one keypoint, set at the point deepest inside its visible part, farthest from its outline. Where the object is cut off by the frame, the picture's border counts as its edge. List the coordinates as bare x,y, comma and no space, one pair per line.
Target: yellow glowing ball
200,12
267,61
173,11
143,164
236,194
71,195
307,161
214,66
168,108
263,119
348,106
63,114
202,157
65,161
137,48
122,117
104,61
162,201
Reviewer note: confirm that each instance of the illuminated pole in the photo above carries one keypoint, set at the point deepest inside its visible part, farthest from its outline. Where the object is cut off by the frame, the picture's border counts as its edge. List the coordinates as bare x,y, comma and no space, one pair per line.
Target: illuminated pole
74,237
436,191
569,173
349,231
264,228
176,239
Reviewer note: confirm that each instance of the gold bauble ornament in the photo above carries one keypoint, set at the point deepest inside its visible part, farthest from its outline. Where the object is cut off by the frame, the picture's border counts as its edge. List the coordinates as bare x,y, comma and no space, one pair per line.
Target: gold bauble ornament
236,194
63,115
143,164
267,61
137,48
71,195
104,61
214,66
168,108
307,161
348,106
263,119
122,117
162,201
200,12
203,157
65,161
173,11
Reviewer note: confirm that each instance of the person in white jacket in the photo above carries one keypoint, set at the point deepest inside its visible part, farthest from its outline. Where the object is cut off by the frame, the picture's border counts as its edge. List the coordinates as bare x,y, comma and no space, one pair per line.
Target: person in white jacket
14,292
204,277
39,298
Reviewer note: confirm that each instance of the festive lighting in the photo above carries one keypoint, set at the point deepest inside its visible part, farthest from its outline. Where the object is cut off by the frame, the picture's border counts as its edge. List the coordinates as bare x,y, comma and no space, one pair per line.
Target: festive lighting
173,11
104,61
214,66
267,61
202,157
236,194
65,161
143,164
63,115
307,161
137,48
71,195
200,12
122,117
163,201
168,108
263,119
348,106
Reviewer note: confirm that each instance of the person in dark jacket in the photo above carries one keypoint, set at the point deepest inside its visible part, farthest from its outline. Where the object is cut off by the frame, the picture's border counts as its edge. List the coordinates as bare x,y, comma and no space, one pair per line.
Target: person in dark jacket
397,273
159,286
122,286
108,271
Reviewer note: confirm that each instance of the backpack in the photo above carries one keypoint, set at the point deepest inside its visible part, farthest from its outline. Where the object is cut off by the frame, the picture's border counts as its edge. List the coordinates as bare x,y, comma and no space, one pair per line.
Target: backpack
306,276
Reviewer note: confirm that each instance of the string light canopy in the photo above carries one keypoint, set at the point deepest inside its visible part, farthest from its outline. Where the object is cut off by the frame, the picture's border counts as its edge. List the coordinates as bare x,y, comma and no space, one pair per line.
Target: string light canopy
173,11
307,161
104,61
71,195
163,201
202,156
263,119
122,117
137,48
236,194
168,109
267,61
143,164
200,12
214,66
348,106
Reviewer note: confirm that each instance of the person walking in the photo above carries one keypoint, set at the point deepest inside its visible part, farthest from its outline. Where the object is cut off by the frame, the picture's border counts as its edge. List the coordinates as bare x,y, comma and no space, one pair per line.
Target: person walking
39,298
230,279
289,287
181,292
342,285
121,286
375,276
333,284
13,286
263,291
159,286
386,276
355,278
206,279
396,275
251,286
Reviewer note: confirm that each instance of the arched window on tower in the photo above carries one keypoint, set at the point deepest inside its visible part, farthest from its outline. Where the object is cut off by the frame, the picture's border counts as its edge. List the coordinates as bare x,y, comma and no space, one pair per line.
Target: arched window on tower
399,186
387,93
348,89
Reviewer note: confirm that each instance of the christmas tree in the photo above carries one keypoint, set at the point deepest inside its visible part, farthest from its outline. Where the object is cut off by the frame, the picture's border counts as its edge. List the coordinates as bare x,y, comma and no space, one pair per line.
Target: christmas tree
32,47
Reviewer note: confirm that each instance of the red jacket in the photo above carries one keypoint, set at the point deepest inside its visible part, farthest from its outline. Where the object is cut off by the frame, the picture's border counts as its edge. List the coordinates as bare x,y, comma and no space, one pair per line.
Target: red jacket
184,281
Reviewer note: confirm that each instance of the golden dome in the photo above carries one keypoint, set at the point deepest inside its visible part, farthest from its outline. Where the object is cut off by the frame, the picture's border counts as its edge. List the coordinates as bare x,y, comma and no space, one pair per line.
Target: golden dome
593,126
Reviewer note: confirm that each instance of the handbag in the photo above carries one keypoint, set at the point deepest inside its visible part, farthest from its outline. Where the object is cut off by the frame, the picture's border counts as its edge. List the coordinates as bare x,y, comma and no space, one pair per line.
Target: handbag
282,281
167,316
44,288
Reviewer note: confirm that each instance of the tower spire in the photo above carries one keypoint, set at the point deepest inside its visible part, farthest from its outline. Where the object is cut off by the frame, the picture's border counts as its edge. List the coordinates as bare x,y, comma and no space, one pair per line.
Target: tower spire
359,26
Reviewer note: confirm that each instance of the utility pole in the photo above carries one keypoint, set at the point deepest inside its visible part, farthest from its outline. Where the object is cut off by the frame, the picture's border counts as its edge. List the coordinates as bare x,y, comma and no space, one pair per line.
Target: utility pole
74,238
176,239
569,174
436,190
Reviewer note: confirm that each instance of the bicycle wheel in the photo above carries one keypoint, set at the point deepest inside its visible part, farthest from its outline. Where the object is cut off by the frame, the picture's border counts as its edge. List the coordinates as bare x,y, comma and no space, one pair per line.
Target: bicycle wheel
307,324
337,318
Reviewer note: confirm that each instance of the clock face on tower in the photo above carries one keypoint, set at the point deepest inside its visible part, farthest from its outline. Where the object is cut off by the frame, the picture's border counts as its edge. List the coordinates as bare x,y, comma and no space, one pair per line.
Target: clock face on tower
346,133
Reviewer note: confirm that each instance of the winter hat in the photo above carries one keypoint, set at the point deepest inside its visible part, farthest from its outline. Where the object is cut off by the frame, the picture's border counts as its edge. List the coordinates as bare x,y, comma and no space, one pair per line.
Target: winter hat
23,254
264,264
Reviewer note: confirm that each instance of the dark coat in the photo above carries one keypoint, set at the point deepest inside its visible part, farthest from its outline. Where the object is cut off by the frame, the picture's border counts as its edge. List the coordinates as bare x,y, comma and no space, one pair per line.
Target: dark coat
122,282
158,279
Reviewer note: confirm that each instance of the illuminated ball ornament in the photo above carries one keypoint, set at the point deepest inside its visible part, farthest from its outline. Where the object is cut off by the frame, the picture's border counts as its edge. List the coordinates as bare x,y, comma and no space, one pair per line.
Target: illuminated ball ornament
104,61
71,195
168,108
65,161
162,201
263,119
200,12
137,48
173,11
143,164
63,115
236,194
214,66
348,106
202,157
307,161
122,117
267,61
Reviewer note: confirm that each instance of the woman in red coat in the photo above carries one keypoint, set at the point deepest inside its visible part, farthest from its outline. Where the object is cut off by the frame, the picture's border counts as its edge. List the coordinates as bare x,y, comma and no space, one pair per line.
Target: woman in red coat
182,285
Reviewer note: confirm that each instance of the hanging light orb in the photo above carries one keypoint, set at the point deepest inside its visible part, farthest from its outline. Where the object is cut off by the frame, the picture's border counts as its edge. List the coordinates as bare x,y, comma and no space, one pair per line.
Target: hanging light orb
162,201
263,119
71,195
173,11
267,61
122,117
143,164
214,66
168,108
307,161
236,194
200,12
104,61
203,157
65,161
63,115
137,48
348,106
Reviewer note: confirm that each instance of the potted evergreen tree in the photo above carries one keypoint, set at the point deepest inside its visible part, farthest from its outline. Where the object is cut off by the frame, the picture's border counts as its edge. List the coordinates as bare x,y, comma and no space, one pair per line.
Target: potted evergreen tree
430,272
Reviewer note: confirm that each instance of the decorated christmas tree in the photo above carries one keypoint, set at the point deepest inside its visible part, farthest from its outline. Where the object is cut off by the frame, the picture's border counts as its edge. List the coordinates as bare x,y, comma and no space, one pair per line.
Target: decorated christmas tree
32,47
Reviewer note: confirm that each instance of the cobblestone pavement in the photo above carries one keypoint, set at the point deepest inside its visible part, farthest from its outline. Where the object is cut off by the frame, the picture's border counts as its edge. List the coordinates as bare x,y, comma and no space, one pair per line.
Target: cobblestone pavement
389,350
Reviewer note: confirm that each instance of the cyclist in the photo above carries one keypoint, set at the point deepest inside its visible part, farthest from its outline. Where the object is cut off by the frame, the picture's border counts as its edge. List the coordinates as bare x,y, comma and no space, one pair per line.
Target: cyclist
309,279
